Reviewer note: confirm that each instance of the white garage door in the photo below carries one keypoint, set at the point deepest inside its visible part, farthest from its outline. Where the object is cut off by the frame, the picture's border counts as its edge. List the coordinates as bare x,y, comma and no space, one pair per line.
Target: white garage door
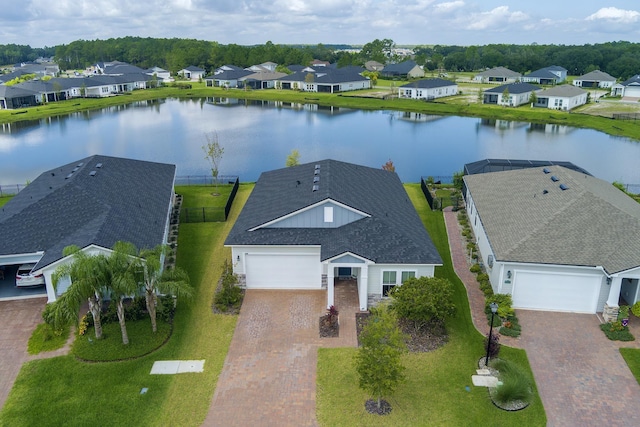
268,271
633,91
555,292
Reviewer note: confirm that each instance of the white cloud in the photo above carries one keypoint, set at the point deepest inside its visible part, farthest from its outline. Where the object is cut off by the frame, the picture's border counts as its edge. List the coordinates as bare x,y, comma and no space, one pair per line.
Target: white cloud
495,18
448,6
613,14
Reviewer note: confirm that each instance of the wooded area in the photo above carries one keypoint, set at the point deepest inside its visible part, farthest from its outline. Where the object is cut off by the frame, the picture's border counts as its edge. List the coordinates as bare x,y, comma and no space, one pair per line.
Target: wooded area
620,59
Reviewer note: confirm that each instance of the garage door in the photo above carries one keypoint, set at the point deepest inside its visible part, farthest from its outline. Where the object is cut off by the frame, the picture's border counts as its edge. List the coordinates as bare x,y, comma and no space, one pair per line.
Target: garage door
555,292
632,91
283,271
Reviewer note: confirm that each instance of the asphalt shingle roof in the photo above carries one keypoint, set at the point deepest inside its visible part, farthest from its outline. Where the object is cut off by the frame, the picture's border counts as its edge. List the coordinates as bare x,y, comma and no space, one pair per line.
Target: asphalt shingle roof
597,76
592,223
392,234
514,88
562,90
429,83
499,72
125,200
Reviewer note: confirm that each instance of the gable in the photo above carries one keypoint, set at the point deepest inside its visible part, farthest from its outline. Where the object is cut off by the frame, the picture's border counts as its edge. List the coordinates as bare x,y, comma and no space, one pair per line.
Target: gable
327,214
347,259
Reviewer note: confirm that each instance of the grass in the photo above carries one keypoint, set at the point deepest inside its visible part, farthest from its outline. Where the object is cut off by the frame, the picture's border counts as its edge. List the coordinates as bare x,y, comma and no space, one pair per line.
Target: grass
516,384
202,195
141,341
5,199
353,100
436,389
632,357
44,339
76,391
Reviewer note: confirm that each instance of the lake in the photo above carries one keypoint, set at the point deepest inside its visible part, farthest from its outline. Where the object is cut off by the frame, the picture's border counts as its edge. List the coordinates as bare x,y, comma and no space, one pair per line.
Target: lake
258,135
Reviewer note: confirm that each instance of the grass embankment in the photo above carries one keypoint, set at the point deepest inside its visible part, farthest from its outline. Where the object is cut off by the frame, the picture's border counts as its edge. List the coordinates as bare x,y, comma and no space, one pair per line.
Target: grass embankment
355,100
79,394
4,200
435,393
632,357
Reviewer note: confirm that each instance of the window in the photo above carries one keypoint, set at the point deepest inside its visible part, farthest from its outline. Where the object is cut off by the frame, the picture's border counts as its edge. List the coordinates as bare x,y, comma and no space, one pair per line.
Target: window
328,214
406,275
388,282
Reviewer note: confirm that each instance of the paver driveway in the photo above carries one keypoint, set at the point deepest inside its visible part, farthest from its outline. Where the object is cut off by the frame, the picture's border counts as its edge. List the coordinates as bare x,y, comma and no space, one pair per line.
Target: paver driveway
269,375
17,319
581,376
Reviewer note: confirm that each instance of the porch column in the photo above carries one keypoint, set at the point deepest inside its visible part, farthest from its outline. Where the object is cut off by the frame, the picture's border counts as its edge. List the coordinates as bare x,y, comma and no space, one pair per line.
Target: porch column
330,286
610,310
363,287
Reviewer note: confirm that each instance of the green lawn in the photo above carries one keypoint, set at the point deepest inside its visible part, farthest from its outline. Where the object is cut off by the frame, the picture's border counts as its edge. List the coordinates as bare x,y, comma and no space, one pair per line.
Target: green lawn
65,391
4,200
204,195
435,393
632,357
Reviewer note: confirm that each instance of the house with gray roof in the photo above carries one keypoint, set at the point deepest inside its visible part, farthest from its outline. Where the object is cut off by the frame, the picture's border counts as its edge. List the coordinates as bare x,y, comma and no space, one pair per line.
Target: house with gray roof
12,97
324,79
628,88
546,76
91,203
192,73
405,69
556,239
227,78
595,79
563,97
428,89
497,75
510,95
306,225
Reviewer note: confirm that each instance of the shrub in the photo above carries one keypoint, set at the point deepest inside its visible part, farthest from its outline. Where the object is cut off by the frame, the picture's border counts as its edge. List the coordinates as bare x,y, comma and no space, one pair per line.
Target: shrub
509,332
492,348
636,309
623,312
230,294
504,302
475,268
332,315
482,277
616,332
166,308
423,300
516,385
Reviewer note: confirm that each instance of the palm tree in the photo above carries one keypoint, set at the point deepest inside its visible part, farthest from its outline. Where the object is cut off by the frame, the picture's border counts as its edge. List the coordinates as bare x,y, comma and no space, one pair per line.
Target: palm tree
89,276
173,281
122,269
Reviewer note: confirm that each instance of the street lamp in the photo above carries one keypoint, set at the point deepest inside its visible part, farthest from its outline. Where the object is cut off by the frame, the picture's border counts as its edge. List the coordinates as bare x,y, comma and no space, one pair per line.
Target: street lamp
494,310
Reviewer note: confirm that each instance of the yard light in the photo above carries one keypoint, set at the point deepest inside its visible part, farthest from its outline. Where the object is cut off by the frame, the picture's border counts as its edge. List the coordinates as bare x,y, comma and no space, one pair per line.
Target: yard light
494,310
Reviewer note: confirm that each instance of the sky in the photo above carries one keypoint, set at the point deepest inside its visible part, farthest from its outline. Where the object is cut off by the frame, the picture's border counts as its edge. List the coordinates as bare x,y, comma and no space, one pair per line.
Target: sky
41,23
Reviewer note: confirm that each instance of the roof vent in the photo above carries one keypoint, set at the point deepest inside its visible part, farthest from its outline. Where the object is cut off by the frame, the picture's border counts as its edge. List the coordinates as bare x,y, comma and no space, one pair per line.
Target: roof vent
317,167
99,165
316,179
68,176
545,191
80,164
316,172
315,188
75,169
563,187
92,173
554,178
546,170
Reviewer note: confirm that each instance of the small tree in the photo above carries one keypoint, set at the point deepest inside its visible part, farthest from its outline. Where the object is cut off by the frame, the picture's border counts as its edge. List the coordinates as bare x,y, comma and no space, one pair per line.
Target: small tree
123,280
423,300
213,153
379,360
480,96
457,180
533,98
293,159
388,166
505,97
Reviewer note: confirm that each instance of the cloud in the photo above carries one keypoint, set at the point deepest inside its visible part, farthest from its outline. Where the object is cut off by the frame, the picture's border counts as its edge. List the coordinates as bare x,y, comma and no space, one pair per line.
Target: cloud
615,15
448,6
495,19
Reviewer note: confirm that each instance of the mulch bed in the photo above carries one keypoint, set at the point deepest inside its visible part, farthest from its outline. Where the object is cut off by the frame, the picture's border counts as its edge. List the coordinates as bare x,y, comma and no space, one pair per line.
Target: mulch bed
328,330
372,407
430,337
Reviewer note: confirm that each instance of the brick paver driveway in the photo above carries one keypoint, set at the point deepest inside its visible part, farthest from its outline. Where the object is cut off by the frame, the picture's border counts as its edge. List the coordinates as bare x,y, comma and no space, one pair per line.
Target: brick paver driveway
17,319
269,375
581,376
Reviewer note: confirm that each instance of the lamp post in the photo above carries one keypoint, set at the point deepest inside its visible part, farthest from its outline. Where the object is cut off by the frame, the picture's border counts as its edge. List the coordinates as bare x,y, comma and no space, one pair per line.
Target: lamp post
494,310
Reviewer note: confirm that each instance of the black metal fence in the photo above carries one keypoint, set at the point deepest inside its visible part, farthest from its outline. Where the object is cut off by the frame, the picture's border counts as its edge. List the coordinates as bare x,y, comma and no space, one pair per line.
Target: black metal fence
426,192
204,179
626,116
232,197
211,214
11,189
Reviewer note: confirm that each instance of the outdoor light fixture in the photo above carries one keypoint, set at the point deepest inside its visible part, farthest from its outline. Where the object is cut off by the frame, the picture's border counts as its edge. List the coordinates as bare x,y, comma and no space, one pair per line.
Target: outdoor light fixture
494,310
609,281
508,274
238,258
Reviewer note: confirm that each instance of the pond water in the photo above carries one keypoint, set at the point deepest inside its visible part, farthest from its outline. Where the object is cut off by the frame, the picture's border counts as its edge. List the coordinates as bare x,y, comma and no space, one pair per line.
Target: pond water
257,136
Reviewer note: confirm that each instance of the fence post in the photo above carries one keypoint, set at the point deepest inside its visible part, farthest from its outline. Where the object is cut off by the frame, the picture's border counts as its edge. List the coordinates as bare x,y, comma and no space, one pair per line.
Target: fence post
203,217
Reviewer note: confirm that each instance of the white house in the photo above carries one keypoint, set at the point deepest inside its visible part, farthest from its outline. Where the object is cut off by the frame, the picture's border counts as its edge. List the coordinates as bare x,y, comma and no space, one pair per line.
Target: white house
556,239
546,76
91,203
595,79
192,73
306,225
324,79
629,88
510,95
563,97
428,89
497,75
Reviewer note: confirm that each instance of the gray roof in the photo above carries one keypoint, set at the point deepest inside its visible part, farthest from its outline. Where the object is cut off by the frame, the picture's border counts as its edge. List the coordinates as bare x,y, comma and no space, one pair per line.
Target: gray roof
125,200
562,90
634,81
542,73
400,68
392,234
499,72
498,165
194,68
597,76
592,223
429,83
264,76
326,75
514,88
230,75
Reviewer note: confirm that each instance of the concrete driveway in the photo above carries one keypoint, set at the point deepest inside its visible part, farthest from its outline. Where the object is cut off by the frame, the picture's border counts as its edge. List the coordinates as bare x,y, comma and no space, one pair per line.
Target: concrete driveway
18,319
581,376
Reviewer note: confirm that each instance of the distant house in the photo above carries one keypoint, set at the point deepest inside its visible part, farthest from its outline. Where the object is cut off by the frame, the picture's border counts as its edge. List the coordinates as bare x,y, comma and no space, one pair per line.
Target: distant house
12,97
428,89
261,80
159,72
497,75
519,94
324,79
595,79
373,66
227,77
319,63
406,69
629,88
563,97
192,73
546,76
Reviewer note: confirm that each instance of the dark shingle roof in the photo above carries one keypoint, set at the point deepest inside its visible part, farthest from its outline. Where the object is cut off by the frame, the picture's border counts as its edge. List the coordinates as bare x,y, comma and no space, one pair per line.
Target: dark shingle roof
635,80
392,234
400,68
429,83
194,68
125,200
514,88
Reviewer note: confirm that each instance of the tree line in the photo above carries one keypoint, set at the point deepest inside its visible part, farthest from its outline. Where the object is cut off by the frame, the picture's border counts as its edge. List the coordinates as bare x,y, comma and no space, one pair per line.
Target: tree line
620,59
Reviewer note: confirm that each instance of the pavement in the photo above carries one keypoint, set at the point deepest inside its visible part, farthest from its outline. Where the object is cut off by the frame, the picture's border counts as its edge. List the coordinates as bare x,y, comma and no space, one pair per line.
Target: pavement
581,377
269,375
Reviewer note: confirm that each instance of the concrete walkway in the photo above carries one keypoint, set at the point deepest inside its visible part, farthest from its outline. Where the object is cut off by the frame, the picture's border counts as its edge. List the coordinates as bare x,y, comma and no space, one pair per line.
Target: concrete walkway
581,377
269,375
